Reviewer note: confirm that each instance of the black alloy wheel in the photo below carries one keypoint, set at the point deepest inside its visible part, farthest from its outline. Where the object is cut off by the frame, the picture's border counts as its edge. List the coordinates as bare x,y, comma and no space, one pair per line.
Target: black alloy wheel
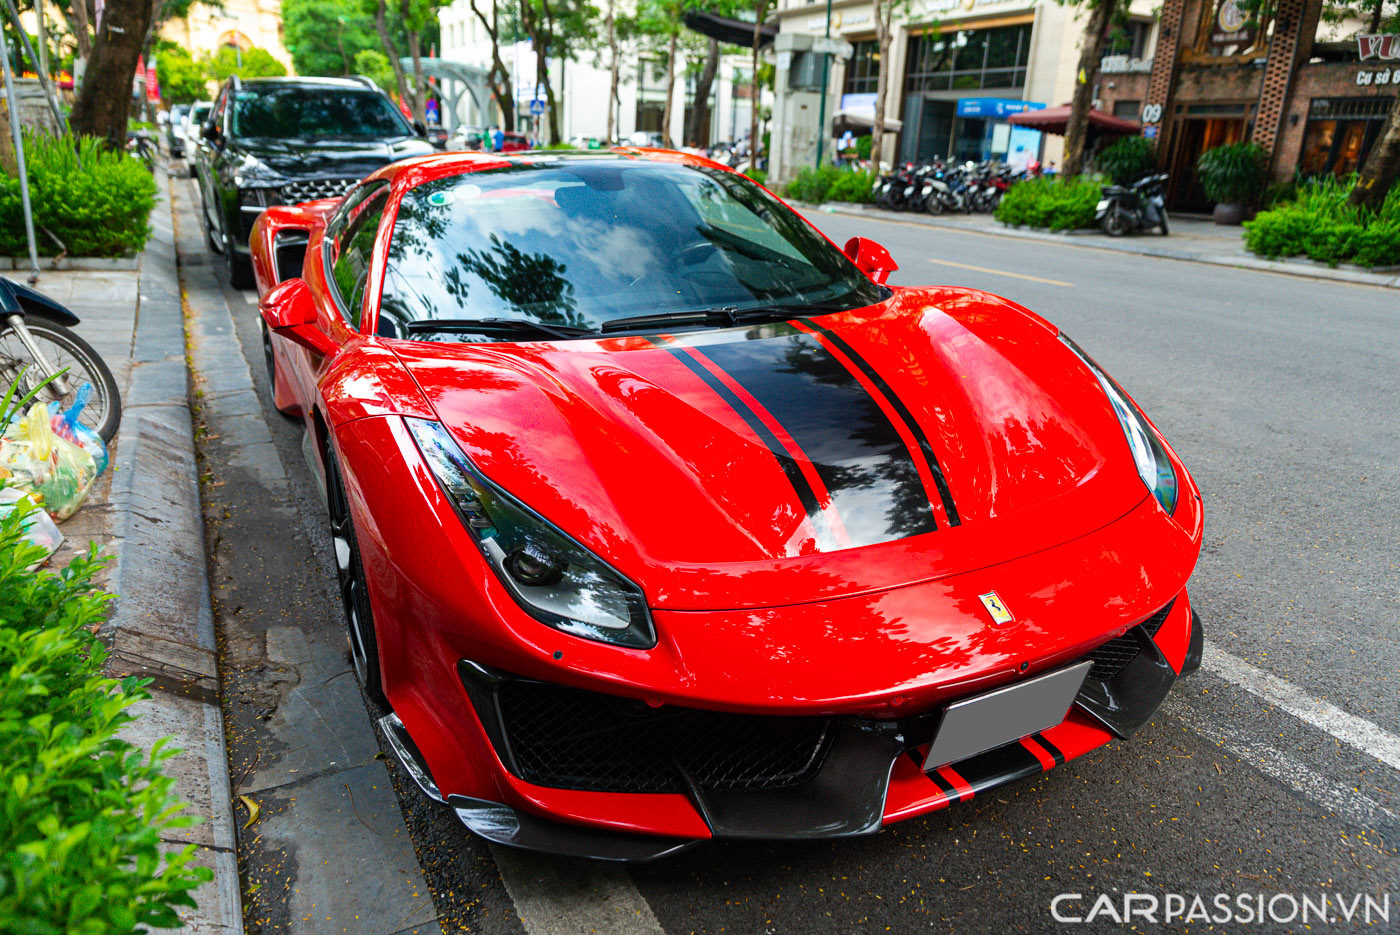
350,578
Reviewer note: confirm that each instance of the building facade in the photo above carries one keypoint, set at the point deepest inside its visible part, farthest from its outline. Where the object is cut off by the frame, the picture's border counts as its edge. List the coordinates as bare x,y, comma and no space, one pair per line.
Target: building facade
581,87
958,68
1296,86
242,23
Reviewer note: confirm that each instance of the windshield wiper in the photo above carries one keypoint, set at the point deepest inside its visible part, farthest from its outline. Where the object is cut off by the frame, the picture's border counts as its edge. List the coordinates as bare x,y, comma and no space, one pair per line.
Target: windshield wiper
494,326
726,315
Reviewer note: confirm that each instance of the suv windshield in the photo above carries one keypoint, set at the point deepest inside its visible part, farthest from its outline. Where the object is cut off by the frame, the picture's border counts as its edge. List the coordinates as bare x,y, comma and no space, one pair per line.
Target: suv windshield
290,112
579,242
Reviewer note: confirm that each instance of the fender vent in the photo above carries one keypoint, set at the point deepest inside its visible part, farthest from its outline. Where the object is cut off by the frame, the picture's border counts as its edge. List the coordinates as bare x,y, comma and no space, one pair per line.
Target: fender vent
573,739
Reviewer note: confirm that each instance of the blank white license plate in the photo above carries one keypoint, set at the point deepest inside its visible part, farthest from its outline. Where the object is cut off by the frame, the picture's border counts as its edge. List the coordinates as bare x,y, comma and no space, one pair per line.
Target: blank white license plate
979,724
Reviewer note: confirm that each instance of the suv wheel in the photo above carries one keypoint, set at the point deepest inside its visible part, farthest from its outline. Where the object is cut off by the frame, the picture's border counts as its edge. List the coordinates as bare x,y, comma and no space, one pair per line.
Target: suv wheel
240,268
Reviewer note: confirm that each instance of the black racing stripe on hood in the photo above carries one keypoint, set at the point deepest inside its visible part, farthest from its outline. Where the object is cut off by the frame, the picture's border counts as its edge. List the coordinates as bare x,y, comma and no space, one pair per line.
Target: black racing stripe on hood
902,411
855,449
805,494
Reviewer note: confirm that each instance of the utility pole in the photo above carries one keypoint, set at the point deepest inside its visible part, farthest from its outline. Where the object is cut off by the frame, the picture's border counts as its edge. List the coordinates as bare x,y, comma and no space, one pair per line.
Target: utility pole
821,108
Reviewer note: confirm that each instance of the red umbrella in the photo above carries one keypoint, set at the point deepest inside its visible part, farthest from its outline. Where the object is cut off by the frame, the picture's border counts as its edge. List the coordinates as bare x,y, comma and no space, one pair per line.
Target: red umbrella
1053,120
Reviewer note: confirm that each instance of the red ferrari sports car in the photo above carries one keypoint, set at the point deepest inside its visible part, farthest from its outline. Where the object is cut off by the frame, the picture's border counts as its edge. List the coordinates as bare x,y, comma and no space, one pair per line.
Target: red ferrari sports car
659,518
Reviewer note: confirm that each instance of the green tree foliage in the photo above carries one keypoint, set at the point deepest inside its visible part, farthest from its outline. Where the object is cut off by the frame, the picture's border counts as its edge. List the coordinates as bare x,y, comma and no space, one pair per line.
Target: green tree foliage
256,63
325,36
182,79
374,65
82,811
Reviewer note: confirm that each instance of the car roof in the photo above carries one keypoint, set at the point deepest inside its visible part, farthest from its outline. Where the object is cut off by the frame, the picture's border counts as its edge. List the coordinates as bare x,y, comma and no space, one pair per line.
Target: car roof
348,84
419,169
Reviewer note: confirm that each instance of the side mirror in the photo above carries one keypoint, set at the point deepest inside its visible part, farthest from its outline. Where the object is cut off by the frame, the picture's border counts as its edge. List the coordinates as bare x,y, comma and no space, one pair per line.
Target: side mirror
871,259
290,311
420,128
210,132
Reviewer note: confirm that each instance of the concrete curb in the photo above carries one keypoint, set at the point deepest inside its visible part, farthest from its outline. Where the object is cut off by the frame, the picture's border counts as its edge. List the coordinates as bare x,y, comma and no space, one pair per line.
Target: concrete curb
97,264
1310,269
163,626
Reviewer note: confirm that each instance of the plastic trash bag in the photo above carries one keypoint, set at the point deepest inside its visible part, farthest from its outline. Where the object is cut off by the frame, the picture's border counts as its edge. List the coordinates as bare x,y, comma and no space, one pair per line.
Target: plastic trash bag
38,527
65,425
56,472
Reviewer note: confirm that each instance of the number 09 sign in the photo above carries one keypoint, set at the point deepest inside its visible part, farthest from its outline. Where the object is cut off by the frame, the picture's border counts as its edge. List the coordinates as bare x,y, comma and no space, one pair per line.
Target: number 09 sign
1152,113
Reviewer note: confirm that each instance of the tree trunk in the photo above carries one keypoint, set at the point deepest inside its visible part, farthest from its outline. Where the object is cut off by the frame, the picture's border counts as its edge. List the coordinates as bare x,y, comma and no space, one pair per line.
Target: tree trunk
82,32
883,13
542,69
1077,127
755,96
382,27
499,77
104,101
612,70
670,85
1382,166
1376,12
699,131
9,161
419,101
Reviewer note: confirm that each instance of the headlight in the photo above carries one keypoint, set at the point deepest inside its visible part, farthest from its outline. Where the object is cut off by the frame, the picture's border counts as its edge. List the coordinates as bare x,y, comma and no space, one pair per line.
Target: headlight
1153,465
553,578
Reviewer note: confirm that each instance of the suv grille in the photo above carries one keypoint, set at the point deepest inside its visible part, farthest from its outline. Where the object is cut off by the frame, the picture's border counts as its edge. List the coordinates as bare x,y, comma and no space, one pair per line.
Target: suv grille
1115,655
311,189
573,739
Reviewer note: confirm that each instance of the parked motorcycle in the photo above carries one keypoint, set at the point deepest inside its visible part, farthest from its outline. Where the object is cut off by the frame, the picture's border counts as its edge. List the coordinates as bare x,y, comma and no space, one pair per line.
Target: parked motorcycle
36,342
1137,207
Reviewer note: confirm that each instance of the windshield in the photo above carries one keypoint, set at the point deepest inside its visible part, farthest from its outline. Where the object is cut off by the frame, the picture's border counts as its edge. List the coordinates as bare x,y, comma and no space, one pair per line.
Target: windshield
579,242
292,112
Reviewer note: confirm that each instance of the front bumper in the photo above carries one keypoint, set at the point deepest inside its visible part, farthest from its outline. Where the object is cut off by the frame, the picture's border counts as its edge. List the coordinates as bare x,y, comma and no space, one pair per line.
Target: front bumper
871,773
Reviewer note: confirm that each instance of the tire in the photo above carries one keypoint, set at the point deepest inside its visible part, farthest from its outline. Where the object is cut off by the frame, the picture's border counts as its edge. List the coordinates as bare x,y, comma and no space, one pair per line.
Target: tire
240,269
935,204
351,585
1114,224
63,348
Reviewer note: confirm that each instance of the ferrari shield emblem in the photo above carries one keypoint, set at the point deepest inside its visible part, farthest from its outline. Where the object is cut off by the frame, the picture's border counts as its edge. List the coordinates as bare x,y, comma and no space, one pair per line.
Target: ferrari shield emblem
992,601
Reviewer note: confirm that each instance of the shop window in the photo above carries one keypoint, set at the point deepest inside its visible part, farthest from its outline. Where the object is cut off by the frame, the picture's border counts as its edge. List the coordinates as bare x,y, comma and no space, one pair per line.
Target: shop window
1130,39
863,69
1339,134
1127,110
969,59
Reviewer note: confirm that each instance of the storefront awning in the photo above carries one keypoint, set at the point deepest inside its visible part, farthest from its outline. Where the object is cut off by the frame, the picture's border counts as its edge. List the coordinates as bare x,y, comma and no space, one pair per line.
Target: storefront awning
860,122
733,31
1053,120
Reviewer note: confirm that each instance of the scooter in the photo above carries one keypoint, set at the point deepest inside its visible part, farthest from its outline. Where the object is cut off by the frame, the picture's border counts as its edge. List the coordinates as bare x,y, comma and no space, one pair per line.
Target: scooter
36,342
1138,207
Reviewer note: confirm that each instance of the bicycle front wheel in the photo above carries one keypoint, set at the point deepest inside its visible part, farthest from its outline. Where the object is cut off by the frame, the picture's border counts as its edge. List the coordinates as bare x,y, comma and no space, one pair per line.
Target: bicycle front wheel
63,349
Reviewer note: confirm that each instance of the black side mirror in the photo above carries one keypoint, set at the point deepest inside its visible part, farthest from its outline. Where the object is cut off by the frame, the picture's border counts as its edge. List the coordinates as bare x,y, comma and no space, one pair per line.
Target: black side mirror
211,132
420,128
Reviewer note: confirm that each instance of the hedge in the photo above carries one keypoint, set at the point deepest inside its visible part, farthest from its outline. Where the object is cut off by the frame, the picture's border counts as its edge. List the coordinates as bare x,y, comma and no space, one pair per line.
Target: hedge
1322,226
82,811
97,202
830,183
1127,159
1059,204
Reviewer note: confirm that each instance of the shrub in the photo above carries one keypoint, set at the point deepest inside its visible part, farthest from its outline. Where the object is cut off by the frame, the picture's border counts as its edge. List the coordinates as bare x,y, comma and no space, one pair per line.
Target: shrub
1127,159
758,175
831,183
1319,224
96,201
1059,204
82,811
1236,173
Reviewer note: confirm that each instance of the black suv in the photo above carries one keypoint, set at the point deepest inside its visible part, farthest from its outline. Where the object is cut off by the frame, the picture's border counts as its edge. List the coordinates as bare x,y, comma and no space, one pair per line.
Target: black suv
272,141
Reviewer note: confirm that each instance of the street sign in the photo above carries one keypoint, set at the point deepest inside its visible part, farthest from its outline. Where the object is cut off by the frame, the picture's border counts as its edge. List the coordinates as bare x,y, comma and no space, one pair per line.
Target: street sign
431,111
536,108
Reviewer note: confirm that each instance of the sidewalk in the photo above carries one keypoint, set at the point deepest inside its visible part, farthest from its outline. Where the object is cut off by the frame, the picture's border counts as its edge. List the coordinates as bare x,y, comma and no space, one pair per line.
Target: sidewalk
144,512
1191,239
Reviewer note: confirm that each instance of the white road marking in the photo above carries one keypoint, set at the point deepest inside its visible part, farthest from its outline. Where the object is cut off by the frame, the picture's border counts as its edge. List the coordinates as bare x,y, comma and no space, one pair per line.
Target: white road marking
1370,739
1002,272
1287,769
573,897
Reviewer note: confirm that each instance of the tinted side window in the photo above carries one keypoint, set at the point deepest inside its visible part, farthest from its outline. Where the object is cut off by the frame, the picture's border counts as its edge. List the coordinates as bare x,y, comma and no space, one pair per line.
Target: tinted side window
354,246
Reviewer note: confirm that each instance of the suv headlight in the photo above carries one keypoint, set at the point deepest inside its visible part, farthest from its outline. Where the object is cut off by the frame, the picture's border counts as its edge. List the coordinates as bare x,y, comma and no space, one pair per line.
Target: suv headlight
553,578
1153,465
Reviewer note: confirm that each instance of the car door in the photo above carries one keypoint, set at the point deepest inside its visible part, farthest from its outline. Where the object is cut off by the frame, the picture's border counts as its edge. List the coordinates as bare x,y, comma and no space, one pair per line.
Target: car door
204,159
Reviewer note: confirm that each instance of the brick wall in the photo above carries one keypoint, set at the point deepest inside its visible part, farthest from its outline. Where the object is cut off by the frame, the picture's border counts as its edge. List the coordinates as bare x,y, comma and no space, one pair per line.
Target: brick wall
1295,24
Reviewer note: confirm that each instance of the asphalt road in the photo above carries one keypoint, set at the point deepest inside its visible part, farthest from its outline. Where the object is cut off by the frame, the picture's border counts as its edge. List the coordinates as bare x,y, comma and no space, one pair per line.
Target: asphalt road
1279,393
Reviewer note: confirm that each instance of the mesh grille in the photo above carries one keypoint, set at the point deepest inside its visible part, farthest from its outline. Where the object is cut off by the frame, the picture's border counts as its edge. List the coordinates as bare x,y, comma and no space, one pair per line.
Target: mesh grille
311,189
573,739
1112,657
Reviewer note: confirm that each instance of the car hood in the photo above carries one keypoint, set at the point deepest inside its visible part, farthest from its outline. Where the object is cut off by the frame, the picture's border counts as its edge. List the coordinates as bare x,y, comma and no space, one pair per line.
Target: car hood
939,432
297,158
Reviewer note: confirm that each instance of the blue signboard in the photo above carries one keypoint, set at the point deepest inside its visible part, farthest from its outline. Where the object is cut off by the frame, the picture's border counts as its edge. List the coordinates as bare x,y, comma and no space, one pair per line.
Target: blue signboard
431,111
994,107
537,107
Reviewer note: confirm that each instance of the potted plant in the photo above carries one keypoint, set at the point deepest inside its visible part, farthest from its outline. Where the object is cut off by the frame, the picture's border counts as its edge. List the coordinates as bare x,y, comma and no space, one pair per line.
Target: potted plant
1234,176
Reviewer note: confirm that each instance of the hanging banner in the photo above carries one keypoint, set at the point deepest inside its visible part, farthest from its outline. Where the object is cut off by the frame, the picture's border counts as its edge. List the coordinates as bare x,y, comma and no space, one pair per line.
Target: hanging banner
1231,26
